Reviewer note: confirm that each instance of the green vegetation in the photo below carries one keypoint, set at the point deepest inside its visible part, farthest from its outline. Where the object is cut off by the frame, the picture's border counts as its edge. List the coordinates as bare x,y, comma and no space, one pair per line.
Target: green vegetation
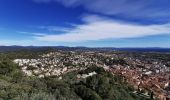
105,86
14,85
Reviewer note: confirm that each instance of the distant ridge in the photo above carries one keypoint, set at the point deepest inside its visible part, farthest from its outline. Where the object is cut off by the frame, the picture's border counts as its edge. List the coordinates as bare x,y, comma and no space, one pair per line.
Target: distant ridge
65,48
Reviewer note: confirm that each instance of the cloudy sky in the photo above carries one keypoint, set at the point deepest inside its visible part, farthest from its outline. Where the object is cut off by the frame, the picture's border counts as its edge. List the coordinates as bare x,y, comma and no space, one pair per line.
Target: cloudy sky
91,23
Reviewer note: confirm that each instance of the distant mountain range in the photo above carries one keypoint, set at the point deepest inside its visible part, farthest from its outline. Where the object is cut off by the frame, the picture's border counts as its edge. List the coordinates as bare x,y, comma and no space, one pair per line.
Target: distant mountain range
18,48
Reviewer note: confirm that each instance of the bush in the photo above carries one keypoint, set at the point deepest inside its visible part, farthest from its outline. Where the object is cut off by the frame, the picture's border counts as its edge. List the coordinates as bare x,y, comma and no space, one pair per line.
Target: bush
86,93
35,96
6,67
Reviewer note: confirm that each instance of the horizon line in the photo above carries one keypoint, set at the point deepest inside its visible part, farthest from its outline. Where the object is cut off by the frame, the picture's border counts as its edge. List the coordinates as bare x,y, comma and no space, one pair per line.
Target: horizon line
79,46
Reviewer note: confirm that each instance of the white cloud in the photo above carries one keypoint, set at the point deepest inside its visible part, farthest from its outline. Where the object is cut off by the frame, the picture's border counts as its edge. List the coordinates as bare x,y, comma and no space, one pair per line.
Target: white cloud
31,33
55,28
17,42
125,8
98,28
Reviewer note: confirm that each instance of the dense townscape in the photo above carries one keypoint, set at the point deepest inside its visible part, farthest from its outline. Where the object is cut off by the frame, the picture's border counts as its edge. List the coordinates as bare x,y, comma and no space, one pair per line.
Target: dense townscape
148,73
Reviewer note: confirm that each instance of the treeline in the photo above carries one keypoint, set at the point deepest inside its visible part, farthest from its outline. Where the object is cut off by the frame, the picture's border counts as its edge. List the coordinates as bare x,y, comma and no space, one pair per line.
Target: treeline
25,53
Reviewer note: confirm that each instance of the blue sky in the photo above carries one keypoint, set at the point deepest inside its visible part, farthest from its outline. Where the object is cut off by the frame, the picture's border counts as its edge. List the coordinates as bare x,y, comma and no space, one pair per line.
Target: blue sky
92,23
